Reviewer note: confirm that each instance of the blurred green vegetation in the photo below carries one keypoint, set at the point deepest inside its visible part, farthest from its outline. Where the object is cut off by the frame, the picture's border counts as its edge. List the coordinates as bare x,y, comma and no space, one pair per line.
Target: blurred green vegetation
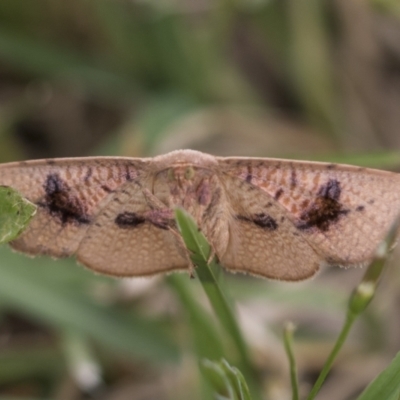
306,79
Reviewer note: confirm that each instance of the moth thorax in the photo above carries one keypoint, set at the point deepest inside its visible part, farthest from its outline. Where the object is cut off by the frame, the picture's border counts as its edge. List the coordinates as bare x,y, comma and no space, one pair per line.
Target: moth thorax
187,186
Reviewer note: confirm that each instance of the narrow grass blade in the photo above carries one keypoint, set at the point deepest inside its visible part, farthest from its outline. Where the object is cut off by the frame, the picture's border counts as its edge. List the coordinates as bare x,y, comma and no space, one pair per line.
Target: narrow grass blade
227,382
15,214
206,337
220,385
237,380
288,341
201,251
386,385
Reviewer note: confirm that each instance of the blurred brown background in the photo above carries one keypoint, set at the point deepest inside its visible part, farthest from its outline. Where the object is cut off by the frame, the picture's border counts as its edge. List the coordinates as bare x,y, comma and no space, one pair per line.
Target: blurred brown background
306,79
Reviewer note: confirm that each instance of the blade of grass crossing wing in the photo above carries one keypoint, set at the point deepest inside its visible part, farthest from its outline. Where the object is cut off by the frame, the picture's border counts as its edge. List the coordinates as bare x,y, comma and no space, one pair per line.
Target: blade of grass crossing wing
201,250
197,244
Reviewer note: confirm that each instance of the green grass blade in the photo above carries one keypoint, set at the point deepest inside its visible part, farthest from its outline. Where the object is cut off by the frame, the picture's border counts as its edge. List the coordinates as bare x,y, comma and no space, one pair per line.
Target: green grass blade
201,251
221,386
15,214
288,342
227,382
386,385
197,244
206,338
237,380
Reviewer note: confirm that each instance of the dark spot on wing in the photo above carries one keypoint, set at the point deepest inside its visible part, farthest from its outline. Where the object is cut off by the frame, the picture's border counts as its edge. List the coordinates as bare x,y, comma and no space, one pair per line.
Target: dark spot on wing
265,221
128,174
262,220
106,189
325,210
88,174
372,201
293,179
360,208
278,194
331,166
63,202
249,176
331,190
129,220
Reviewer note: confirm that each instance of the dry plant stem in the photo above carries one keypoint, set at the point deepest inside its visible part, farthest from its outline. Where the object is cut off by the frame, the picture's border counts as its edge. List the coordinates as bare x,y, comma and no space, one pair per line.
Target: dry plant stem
288,342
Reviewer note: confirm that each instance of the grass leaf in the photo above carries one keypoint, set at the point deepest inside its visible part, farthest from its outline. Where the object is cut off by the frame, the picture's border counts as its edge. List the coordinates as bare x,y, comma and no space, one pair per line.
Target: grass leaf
196,242
386,385
227,382
206,338
15,213
201,252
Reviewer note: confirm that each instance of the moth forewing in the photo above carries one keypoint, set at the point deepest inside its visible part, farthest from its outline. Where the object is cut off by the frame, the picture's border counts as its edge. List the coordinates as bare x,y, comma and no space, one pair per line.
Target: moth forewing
69,193
342,211
279,219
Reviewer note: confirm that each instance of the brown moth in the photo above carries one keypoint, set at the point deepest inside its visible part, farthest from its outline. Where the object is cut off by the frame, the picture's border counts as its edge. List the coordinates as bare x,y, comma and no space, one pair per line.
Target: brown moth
274,218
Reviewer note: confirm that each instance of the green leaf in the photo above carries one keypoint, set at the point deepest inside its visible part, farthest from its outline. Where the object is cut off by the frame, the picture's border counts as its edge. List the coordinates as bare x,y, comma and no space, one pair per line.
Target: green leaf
386,385
206,338
237,380
288,342
196,242
220,384
226,381
15,214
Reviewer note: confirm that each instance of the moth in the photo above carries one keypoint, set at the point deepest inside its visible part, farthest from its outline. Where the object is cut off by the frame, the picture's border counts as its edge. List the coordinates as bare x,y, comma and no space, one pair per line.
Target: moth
274,218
